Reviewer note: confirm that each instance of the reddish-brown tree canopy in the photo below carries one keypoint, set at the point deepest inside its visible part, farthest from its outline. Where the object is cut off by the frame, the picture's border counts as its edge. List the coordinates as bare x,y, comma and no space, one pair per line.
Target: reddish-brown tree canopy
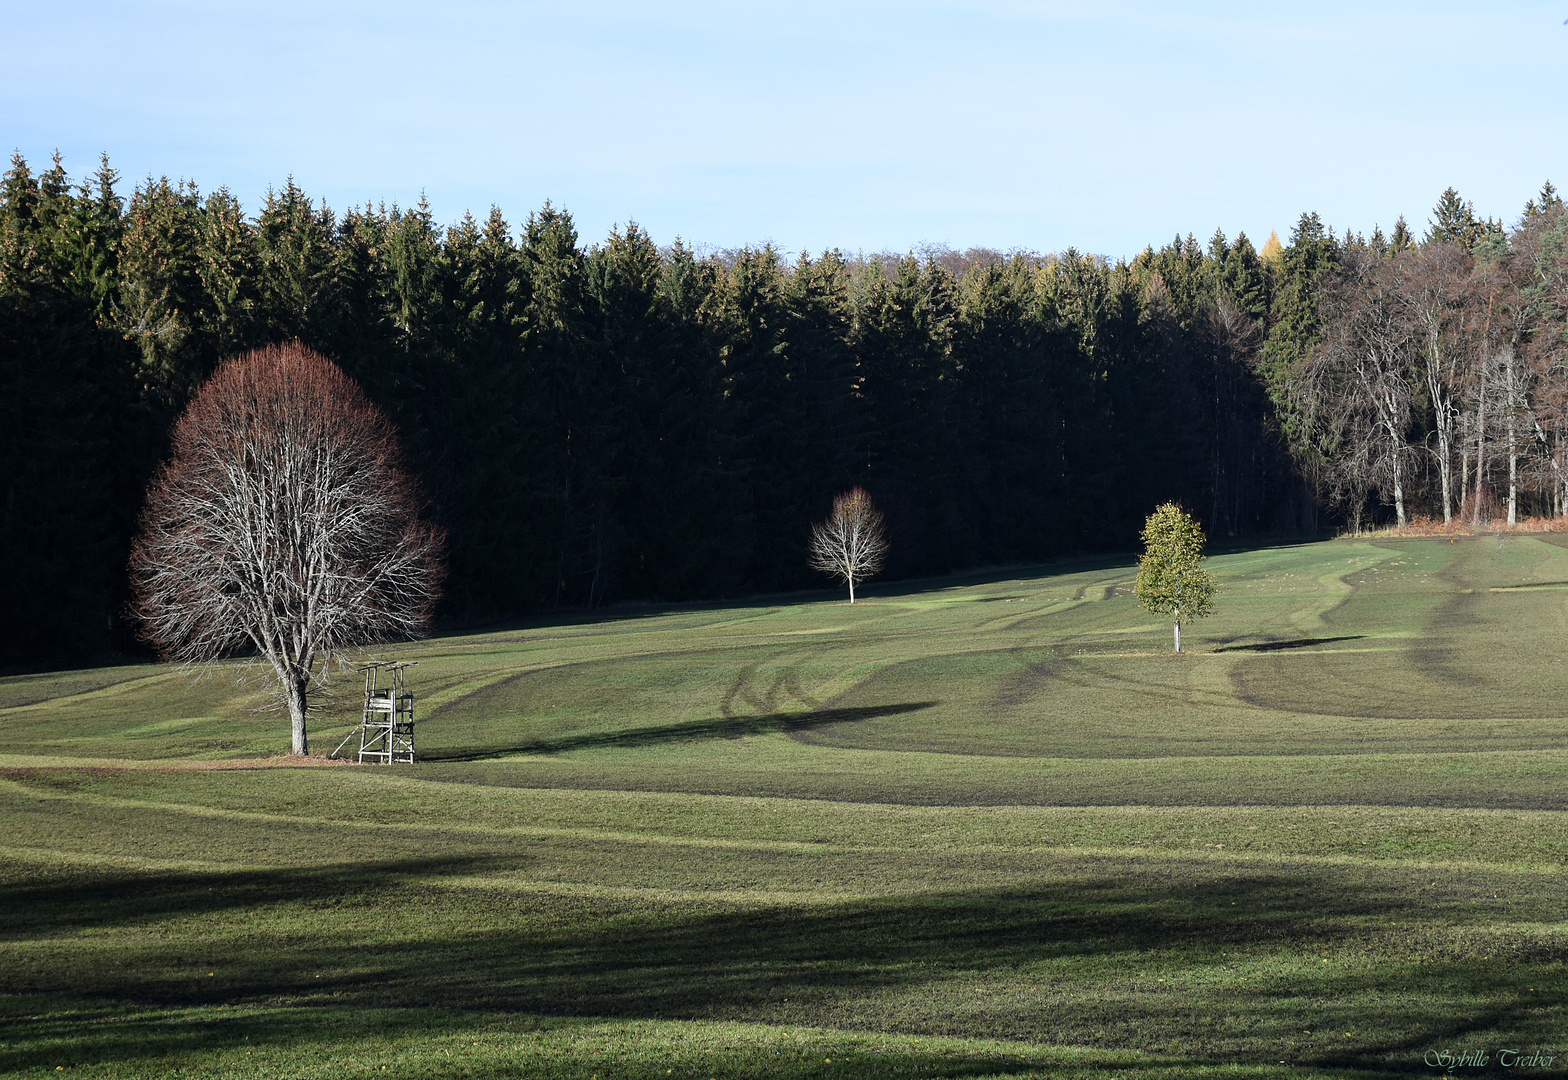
283,522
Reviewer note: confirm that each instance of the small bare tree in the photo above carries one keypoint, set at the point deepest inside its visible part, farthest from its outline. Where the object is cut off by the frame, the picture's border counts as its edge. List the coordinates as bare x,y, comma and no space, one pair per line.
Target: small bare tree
851,543
282,522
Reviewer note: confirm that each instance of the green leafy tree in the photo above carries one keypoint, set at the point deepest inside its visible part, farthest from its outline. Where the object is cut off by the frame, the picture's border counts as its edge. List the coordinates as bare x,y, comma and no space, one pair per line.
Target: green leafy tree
1171,578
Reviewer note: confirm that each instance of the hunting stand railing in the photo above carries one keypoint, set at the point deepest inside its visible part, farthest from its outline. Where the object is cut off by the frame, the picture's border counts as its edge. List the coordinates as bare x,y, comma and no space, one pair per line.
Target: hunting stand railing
386,734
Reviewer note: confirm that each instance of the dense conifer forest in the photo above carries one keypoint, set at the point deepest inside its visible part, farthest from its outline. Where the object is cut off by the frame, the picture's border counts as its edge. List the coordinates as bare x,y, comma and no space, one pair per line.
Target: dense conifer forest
621,420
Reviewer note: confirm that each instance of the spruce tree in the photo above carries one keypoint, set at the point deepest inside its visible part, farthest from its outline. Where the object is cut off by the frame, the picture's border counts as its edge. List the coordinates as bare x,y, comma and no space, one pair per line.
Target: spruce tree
1546,202
72,451
162,301
297,267
1400,239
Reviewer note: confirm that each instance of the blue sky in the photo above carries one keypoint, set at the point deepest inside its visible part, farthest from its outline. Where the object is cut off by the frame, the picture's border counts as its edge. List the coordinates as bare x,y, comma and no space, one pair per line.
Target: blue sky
860,125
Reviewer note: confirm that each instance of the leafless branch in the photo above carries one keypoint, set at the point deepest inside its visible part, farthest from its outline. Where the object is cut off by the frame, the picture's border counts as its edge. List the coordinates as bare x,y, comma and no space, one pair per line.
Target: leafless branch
851,544
283,522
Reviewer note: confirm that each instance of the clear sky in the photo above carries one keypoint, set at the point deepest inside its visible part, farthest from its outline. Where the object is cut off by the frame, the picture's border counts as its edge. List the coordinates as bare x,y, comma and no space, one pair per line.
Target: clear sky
849,123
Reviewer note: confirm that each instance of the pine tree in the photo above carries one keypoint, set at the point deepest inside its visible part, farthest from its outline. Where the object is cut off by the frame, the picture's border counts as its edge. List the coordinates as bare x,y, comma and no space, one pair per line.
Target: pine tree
1547,202
227,266
1313,253
1273,250
71,451
488,463
905,337
296,271
564,371
1400,240
1454,222
162,299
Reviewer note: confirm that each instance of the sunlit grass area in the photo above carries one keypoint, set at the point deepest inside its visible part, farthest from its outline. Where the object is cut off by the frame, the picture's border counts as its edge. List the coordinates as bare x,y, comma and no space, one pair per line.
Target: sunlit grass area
978,827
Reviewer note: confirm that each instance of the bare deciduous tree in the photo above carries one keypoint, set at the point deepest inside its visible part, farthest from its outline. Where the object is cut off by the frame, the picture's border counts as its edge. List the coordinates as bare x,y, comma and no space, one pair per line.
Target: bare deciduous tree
851,543
1461,346
1431,283
1363,366
283,522
1497,328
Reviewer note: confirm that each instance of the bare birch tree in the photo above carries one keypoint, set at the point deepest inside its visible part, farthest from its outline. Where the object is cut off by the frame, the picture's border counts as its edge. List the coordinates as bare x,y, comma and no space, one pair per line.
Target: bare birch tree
852,543
284,523
1496,329
1431,282
1364,364
1539,269
1464,348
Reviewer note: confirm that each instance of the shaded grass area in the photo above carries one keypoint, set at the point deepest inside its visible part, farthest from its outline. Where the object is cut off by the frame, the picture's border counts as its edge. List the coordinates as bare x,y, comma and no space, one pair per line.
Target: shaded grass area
985,829
330,1043
1352,939
1217,963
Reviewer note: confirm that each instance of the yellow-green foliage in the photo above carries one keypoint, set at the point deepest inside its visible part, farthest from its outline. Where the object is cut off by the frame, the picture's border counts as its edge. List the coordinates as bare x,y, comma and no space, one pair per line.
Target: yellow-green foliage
1171,578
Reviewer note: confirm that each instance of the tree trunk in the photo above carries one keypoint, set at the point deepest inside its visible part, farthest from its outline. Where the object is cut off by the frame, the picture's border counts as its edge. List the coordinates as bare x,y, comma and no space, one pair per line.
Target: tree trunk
1480,448
1513,451
1388,410
1513,482
1445,468
1464,472
298,704
1178,636
851,589
1399,492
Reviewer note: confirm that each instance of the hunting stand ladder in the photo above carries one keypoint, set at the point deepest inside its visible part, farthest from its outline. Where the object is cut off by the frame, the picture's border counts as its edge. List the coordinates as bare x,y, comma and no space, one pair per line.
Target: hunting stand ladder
386,734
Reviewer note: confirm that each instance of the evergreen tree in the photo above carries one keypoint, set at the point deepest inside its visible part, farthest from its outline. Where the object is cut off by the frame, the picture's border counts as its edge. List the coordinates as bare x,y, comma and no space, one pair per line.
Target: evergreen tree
1545,203
1401,239
487,463
563,369
905,329
162,299
1454,222
67,481
227,265
296,255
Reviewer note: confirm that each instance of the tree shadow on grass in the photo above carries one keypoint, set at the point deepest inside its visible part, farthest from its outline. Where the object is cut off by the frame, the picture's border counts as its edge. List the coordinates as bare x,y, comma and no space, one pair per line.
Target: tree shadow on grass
1294,643
533,1047
718,728
1527,585
364,937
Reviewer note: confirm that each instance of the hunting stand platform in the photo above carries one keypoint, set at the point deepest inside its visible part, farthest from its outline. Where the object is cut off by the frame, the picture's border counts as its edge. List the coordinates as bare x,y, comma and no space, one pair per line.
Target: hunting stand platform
386,734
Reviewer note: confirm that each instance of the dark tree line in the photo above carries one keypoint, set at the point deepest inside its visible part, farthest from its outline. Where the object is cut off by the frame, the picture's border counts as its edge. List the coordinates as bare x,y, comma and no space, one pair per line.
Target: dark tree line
594,423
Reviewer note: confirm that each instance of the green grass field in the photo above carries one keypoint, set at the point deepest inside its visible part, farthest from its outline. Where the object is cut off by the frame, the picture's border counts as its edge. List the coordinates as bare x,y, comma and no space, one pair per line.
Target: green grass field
989,827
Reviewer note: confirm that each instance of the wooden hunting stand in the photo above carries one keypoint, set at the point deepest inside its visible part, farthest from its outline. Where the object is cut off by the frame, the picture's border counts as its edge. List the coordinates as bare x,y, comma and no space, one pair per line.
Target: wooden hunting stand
386,734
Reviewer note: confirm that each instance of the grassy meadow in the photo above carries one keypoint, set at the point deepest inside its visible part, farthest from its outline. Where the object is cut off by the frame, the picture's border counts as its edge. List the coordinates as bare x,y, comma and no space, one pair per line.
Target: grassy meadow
986,827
